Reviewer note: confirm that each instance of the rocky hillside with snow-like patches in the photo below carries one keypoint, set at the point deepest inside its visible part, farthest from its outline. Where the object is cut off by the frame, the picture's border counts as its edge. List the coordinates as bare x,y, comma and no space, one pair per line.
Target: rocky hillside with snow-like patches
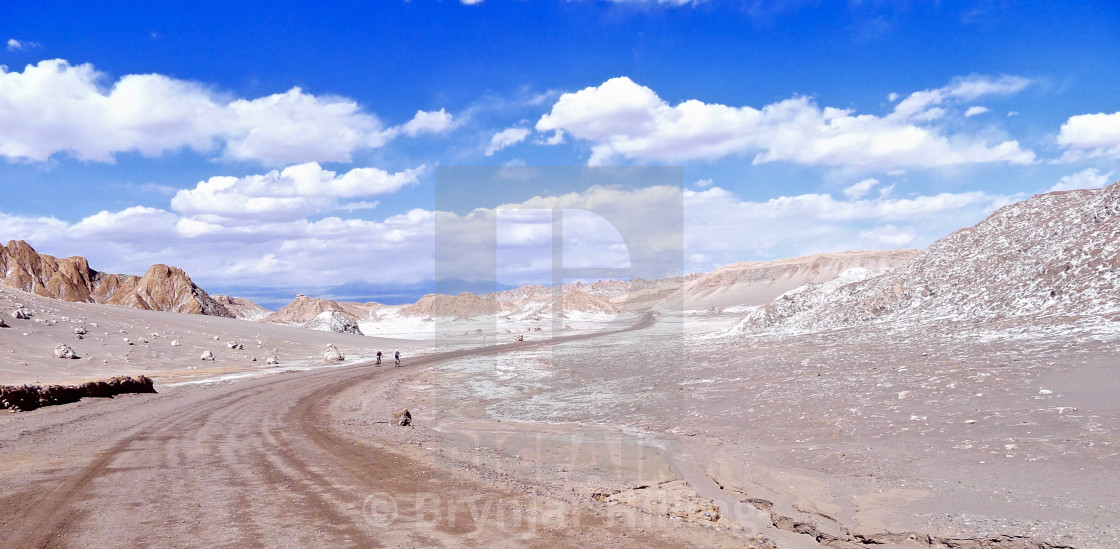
161,288
304,309
1051,257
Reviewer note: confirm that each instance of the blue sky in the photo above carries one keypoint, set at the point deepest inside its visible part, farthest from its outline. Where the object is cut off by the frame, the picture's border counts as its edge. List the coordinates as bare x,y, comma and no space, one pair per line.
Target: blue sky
275,147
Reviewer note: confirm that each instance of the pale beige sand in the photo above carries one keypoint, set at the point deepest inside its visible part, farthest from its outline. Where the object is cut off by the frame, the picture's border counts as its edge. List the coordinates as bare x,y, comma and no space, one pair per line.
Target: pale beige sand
27,346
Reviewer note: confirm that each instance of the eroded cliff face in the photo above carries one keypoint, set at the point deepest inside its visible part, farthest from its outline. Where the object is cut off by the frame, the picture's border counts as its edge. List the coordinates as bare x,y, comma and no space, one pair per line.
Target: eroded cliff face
162,288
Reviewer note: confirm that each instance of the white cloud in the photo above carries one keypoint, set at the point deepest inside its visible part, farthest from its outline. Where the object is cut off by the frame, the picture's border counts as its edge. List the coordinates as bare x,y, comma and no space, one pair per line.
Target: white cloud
625,120
703,183
860,189
659,2
471,2
54,107
1090,178
359,205
975,110
428,122
557,138
221,237
922,105
1090,136
293,193
506,138
17,45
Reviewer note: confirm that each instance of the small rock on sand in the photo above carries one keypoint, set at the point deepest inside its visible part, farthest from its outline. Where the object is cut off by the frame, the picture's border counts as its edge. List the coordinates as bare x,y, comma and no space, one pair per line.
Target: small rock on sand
333,354
208,356
402,417
64,351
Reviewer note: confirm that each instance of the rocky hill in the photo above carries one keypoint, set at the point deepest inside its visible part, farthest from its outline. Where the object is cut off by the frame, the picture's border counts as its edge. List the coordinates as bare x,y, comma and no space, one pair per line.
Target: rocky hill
760,282
242,308
304,309
162,288
1055,256
464,305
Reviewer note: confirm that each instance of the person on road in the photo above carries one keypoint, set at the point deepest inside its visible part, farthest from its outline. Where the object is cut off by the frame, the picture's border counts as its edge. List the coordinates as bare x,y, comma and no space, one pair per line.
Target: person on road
398,357
379,358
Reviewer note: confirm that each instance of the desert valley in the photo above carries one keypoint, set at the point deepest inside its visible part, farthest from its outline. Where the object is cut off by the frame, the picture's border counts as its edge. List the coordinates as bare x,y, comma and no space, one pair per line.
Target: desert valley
960,396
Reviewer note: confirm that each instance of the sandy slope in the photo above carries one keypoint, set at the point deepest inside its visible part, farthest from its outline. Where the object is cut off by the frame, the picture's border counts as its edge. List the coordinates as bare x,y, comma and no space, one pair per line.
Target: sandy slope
27,346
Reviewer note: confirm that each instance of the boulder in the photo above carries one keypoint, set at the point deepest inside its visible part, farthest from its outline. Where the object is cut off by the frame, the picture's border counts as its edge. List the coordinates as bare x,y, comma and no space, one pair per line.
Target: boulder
207,355
80,331
235,346
64,351
402,417
333,354
272,360
20,314
175,343
3,324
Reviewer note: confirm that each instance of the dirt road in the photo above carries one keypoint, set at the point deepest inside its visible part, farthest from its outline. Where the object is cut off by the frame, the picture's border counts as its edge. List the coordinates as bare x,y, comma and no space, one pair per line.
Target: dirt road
247,464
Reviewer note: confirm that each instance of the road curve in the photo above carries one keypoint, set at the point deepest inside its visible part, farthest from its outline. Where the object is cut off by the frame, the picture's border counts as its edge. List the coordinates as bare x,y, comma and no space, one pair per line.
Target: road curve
246,464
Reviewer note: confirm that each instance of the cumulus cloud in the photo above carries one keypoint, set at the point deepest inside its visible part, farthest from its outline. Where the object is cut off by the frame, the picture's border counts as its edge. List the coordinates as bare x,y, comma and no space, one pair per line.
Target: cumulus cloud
975,110
506,138
1090,178
428,122
54,107
624,120
271,243
293,193
1090,136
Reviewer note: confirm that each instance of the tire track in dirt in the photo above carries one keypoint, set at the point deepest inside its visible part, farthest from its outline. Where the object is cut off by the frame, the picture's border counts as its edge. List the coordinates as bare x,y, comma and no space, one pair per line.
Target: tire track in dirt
249,464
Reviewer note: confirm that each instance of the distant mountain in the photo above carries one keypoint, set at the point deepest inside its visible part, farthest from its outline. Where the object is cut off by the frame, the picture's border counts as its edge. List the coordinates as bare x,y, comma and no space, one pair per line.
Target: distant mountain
304,309
754,283
1055,256
161,288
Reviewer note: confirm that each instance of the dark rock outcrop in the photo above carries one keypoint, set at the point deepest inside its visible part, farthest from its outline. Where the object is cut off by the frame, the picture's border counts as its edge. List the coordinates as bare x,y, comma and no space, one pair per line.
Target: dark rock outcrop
29,397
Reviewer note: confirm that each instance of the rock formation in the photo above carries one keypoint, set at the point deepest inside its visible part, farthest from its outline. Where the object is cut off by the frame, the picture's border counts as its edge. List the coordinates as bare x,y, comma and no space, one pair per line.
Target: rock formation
64,351
30,397
333,354
161,288
464,305
402,418
242,308
304,309
335,321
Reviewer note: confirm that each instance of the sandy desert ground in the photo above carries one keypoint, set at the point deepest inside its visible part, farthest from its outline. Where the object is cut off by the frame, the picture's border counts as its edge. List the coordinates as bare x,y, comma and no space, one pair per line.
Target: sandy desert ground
669,429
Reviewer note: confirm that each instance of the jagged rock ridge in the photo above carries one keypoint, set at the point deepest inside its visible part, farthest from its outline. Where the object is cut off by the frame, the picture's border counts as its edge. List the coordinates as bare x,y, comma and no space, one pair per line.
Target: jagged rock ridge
161,288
